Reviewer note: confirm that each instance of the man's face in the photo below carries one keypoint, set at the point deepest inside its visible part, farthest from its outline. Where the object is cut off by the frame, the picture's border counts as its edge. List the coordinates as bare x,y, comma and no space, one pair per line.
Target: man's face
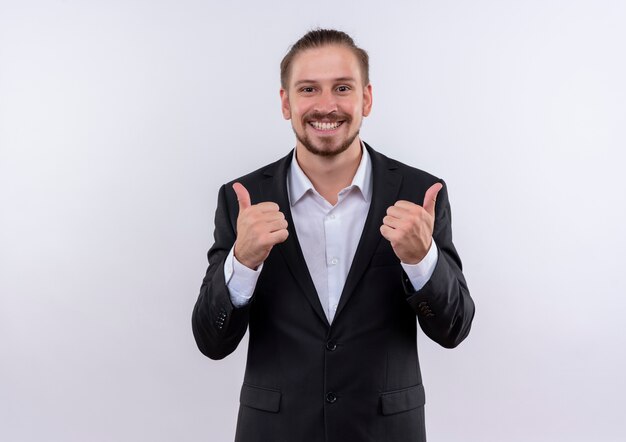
326,99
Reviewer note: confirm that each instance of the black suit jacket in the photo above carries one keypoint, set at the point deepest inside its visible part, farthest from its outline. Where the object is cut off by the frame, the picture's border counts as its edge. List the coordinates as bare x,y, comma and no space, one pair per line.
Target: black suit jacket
357,379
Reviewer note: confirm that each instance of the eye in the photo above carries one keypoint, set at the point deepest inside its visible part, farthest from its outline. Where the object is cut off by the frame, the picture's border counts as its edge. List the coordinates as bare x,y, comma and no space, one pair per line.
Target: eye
343,88
307,89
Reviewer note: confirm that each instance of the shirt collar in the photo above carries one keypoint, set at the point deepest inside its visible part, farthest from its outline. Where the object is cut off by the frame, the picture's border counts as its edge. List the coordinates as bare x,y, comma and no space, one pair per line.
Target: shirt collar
298,184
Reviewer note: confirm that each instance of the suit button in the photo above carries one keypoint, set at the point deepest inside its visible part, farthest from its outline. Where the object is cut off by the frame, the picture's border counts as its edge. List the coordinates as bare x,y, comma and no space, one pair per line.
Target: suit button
331,345
331,398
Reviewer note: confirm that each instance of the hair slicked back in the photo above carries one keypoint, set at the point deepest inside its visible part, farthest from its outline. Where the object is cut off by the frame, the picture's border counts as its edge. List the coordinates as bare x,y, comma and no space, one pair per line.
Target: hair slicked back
318,38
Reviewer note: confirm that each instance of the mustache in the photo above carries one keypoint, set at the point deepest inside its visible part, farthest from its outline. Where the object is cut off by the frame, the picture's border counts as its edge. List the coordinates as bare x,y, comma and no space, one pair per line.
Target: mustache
330,117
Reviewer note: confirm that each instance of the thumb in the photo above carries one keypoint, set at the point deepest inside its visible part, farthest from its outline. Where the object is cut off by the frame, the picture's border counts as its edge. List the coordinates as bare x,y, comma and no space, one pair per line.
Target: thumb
430,198
242,196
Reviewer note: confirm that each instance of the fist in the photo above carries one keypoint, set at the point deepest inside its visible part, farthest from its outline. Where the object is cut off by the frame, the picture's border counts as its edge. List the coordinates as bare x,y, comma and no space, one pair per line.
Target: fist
409,226
259,228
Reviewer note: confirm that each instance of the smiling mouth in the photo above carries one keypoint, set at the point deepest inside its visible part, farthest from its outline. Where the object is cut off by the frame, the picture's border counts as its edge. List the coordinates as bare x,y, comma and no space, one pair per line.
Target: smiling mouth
323,126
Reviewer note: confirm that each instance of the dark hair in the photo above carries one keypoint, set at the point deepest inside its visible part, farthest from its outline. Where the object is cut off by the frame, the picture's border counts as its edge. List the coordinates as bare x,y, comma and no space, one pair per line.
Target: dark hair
318,38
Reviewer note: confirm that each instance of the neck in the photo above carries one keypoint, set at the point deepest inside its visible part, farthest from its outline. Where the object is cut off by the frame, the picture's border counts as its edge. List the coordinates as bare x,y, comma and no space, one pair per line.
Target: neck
330,174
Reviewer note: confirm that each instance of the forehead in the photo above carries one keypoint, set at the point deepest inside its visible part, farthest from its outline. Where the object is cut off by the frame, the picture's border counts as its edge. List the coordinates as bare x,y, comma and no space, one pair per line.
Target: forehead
325,64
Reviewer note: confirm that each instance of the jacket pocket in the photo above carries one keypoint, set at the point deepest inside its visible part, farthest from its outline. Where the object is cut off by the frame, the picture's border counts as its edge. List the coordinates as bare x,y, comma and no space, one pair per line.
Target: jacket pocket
393,402
261,398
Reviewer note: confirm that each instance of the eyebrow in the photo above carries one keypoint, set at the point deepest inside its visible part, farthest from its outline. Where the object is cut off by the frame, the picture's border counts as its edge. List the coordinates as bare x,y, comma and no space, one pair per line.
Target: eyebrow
336,80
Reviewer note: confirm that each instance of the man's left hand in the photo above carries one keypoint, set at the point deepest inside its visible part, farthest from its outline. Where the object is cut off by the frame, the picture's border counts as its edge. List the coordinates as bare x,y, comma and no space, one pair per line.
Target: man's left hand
409,226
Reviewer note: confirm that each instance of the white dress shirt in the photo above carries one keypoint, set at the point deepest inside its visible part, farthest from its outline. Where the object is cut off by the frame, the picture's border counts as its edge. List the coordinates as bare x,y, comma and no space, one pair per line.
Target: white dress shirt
328,236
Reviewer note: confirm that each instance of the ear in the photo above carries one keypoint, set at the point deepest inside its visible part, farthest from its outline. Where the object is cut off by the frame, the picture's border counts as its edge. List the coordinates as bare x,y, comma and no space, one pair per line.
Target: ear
284,104
367,100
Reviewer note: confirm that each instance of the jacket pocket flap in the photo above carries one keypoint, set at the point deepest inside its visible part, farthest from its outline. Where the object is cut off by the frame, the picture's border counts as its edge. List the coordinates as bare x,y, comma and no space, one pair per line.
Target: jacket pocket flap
402,400
260,398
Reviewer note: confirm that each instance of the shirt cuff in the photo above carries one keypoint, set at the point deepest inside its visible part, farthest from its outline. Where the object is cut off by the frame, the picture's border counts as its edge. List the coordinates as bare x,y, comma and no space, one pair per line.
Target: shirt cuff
240,280
420,273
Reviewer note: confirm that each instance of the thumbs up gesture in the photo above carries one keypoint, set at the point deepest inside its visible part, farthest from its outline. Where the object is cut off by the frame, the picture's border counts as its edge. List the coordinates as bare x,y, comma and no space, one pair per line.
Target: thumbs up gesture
259,228
409,227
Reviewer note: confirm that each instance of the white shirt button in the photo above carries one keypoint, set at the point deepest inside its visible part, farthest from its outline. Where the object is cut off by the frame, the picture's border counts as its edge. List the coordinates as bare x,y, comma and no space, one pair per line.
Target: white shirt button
334,261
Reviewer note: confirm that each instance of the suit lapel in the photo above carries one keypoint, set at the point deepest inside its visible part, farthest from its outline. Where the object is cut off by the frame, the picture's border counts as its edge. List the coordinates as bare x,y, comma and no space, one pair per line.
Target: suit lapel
385,192
275,189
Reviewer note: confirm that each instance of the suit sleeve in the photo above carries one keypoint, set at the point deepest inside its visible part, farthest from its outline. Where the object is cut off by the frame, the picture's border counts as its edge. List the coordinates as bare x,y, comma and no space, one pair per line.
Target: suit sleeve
443,306
217,325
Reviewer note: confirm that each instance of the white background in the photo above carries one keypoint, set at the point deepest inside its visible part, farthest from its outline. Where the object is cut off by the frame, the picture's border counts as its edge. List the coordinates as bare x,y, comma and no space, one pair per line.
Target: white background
119,120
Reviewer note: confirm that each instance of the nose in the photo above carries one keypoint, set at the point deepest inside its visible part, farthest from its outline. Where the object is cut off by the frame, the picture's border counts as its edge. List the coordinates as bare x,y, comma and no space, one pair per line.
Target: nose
326,103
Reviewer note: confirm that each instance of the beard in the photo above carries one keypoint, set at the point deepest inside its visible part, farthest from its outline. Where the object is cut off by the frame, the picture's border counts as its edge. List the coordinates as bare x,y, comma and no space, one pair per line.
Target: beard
325,147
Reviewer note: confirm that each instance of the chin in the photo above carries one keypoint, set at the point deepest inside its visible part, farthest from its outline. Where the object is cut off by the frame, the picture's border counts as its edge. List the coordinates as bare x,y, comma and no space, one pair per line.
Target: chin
325,150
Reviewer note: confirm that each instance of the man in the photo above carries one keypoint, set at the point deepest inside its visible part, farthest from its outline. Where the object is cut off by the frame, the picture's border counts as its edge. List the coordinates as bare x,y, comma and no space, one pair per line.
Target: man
330,256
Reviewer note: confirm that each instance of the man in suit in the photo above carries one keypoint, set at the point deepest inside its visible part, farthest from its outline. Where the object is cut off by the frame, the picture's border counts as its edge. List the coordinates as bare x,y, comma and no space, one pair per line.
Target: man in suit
330,257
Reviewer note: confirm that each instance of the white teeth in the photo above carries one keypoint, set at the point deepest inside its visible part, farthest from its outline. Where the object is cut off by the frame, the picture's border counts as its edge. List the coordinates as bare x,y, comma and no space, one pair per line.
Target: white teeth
325,126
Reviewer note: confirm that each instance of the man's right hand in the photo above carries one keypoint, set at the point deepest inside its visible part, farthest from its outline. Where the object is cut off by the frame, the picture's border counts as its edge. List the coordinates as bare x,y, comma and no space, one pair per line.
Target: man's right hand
259,228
